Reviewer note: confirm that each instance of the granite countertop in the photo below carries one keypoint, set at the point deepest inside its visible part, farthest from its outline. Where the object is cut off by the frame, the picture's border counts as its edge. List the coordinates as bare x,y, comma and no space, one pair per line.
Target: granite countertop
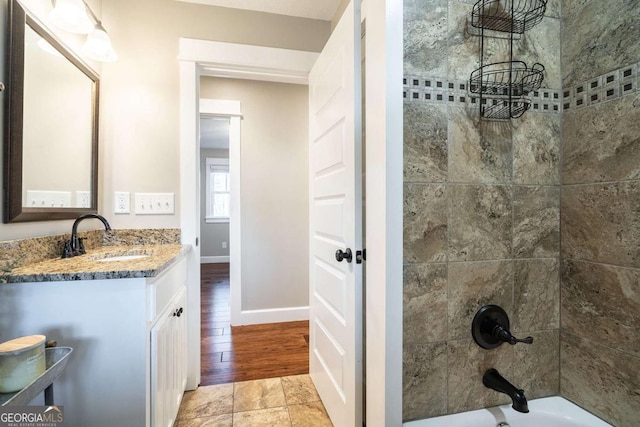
89,266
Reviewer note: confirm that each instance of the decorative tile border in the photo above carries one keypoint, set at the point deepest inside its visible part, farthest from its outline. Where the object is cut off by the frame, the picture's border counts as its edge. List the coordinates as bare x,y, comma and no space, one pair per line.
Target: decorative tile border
612,85
435,90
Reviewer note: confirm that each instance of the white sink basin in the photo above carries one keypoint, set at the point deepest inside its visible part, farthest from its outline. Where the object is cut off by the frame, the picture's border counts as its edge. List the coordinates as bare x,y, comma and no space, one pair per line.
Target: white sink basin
122,258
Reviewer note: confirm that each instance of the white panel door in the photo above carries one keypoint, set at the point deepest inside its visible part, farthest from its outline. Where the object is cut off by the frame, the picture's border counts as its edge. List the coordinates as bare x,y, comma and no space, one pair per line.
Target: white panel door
335,211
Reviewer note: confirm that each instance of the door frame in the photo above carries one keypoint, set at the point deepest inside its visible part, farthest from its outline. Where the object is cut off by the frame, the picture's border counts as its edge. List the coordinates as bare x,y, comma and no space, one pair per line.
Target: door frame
217,59
384,182
233,110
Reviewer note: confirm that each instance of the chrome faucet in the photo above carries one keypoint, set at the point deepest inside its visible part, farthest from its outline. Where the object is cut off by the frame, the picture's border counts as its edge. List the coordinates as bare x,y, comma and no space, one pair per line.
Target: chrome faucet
76,247
493,380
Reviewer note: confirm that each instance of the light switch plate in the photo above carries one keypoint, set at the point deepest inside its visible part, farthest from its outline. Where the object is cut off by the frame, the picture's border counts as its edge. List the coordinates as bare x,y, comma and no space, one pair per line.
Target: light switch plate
154,204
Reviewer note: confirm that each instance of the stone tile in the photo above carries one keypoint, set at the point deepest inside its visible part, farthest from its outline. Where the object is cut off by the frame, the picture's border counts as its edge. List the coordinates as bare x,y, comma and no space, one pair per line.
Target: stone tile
569,7
599,37
536,296
207,401
480,222
258,394
464,43
425,223
299,389
601,380
536,219
542,44
602,223
480,150
536,149
262,418
424,378
463,47
425,142
225,420
467,364
309,414
602,142
553,9
425,25
424,303
473,285
536,367
602,303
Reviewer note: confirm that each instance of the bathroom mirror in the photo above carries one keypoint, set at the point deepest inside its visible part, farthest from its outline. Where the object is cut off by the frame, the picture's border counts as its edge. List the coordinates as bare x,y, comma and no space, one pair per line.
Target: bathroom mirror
51,126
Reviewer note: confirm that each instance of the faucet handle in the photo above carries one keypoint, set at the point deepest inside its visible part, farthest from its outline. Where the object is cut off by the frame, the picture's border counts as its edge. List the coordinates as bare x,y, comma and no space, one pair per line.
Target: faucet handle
490,328
527,340
81,250
66,251
503,334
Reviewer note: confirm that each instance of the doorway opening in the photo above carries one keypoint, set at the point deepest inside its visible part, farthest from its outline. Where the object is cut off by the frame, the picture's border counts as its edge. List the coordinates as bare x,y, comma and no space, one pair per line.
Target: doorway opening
268,161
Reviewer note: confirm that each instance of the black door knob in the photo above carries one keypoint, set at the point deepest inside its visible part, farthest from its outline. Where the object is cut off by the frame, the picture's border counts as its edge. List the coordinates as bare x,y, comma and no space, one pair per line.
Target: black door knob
346,255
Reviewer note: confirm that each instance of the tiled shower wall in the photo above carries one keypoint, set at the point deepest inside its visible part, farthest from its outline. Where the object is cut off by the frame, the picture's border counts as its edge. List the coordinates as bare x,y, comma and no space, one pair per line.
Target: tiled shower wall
482,212
481,215
600,351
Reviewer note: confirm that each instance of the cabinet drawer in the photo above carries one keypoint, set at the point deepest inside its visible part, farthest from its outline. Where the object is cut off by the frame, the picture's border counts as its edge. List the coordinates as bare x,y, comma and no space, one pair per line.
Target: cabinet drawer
161,290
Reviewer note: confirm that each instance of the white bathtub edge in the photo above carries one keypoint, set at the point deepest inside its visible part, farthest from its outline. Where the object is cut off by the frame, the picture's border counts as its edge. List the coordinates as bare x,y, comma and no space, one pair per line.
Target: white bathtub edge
490,417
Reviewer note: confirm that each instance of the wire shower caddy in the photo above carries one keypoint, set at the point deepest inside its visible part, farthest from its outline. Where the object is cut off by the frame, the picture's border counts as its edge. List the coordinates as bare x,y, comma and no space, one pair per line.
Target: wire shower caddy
503,86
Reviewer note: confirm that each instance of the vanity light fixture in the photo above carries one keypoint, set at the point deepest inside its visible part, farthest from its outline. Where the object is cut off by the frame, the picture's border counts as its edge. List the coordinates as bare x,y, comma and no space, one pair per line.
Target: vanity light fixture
71,16
75,16
98,45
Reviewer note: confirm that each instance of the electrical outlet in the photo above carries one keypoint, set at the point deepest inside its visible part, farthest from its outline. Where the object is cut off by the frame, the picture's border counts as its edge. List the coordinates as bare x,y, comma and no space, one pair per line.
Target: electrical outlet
83,199
121,202
224,245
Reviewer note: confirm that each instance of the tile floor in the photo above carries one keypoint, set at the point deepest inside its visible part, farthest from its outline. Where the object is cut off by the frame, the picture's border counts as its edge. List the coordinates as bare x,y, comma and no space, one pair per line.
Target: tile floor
287,401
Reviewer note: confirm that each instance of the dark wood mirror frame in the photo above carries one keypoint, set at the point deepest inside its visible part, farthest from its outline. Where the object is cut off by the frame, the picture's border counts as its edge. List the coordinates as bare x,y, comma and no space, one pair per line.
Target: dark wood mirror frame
13,125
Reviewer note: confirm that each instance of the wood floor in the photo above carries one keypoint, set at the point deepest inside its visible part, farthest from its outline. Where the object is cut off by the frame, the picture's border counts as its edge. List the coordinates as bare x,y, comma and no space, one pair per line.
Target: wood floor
241,353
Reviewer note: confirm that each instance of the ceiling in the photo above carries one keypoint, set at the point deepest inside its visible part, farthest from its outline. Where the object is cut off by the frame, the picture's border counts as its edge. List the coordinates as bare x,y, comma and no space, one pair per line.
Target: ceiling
214,132
314,9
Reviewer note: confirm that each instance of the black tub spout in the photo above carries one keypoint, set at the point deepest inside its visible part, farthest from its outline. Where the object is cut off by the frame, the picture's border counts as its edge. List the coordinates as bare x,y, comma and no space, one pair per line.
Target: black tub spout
493,380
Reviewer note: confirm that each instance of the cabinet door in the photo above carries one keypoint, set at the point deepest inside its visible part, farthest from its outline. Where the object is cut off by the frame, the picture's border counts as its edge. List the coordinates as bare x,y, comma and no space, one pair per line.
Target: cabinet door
169,361
161,371
179,354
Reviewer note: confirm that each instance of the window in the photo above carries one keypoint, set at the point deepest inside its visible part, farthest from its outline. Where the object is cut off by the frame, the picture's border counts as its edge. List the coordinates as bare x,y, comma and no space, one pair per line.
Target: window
218,194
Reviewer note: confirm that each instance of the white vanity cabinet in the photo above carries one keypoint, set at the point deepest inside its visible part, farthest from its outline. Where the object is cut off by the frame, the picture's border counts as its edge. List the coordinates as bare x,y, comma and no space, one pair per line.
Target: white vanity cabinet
168,347
129,363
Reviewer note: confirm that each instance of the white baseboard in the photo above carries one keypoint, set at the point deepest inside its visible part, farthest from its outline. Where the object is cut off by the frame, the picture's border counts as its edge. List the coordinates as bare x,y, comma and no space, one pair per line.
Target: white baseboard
273,315
213,259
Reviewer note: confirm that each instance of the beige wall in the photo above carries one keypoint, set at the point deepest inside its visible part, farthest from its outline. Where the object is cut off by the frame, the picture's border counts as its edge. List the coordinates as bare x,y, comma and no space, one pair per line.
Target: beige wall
140,119
139,115
274,187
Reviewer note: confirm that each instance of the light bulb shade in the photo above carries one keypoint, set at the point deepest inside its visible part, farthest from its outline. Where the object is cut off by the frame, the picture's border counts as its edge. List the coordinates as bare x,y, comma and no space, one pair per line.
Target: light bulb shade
71,16
98,46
